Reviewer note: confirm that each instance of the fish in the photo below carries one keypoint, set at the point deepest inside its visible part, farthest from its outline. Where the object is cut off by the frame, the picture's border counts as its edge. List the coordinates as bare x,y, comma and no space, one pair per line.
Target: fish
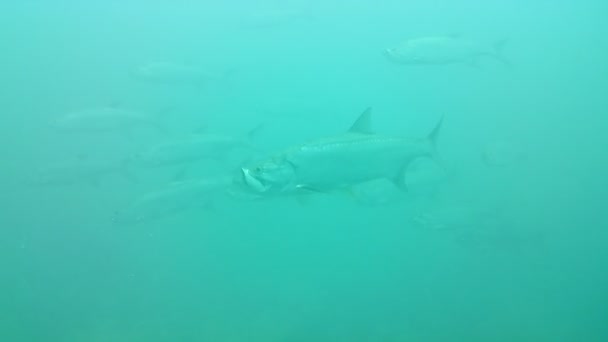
477,225
442,50
171,200
79,172
104,119
423,178
176,74
194,148
337,163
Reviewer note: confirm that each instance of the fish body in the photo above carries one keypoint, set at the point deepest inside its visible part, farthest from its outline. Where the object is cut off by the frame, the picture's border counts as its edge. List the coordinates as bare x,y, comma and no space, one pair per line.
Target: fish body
193,149
103,119
441,50
338,162
175,198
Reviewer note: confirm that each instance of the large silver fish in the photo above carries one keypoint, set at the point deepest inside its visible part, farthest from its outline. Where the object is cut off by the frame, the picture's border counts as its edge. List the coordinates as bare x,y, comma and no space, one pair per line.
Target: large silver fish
173,199
337,162
439,50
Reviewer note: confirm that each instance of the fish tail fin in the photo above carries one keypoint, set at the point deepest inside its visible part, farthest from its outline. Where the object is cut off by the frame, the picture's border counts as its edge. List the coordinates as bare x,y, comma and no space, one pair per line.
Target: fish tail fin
401,179
498,51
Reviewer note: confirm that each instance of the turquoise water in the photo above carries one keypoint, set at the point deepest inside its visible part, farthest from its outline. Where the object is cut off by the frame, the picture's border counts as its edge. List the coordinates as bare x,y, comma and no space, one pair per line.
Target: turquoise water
500,238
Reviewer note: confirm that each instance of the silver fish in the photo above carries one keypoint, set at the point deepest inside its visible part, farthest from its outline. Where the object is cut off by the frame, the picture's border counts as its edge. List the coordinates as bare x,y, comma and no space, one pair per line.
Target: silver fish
440,50
337,162
173,199
193,149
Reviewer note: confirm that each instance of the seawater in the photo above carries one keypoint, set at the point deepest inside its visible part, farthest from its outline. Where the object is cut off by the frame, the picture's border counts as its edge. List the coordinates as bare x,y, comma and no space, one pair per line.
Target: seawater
503,239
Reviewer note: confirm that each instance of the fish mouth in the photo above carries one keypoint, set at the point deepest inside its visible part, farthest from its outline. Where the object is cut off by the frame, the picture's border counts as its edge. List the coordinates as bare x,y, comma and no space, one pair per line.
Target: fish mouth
253,182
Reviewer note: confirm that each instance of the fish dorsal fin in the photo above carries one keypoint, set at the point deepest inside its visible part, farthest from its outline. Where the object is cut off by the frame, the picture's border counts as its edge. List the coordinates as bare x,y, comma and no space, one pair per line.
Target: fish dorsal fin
363,123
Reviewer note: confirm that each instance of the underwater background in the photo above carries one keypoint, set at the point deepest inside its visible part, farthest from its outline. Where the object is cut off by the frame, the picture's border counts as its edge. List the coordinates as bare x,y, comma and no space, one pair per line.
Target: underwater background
501,238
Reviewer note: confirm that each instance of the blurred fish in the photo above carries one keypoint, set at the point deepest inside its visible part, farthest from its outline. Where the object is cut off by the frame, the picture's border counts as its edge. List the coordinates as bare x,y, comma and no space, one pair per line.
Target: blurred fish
337,162
177,74
194,148
105,119
440,50
479,226
173,199
79,172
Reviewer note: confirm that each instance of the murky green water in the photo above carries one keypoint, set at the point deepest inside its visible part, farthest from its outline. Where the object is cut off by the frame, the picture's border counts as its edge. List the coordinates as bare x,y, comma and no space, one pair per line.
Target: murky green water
130,208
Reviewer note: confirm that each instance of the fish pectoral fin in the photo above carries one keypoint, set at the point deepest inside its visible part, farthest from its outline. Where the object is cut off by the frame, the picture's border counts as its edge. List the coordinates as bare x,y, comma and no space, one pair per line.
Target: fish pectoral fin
400,179
305,194
309,189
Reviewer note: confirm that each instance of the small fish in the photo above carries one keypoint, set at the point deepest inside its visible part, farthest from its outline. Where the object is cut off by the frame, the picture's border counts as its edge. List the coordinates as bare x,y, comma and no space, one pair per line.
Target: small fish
173,199
476,225
176,74
441,50
104,119
338,162
79,172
